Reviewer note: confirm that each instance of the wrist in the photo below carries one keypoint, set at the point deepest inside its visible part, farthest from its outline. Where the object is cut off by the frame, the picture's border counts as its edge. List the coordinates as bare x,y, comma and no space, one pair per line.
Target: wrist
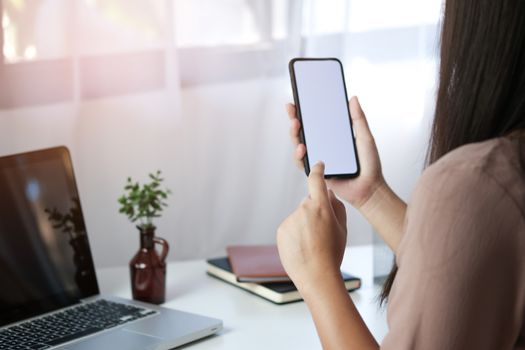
327,282
378,193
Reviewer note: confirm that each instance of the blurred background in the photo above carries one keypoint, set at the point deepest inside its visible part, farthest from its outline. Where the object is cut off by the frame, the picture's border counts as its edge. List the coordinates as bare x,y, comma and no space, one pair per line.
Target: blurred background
197,89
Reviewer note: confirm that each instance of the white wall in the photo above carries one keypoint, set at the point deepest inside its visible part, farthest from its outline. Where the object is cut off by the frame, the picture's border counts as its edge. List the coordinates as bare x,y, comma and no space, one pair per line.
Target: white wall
225,153
224,190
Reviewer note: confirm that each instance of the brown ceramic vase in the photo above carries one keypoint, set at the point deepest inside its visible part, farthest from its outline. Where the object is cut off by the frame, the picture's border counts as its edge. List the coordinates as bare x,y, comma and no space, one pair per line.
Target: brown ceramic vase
148,268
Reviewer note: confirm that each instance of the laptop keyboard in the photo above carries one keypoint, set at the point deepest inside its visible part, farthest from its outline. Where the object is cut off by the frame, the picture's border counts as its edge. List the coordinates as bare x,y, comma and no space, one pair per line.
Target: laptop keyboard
70,324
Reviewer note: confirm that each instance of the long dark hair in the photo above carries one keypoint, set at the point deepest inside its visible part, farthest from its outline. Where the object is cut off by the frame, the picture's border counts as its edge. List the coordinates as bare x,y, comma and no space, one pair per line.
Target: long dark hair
481,92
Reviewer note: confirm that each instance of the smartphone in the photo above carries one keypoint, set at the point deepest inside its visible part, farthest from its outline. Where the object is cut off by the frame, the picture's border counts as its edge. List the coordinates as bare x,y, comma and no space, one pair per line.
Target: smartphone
321,102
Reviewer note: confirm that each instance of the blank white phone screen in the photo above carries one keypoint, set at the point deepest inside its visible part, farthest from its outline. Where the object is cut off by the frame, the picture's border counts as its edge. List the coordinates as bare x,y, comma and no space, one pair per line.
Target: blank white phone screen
325,117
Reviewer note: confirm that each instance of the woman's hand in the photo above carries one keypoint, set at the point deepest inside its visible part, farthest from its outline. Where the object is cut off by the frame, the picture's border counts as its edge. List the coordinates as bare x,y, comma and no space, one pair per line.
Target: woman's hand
356,191
312,239
369,193
311,245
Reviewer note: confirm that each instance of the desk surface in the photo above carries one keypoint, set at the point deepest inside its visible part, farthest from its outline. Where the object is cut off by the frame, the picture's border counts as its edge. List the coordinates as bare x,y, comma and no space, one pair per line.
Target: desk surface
249,321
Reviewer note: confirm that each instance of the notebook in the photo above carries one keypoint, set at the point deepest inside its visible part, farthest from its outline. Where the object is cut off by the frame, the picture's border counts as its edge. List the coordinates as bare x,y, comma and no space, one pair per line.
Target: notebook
278,293
256,263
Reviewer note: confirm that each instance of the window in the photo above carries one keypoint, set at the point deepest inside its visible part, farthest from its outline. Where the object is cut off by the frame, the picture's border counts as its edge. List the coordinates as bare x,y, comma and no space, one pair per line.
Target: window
232,39
85,49
34,30
118,26
366,15
320,19
216,23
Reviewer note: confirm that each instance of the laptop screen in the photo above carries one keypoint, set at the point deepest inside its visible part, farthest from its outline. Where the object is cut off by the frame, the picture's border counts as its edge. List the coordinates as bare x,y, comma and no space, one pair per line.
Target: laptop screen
45,258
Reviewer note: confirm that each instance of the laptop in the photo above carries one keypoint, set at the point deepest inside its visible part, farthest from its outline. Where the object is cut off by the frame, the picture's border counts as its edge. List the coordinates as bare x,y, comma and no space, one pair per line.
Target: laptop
49,295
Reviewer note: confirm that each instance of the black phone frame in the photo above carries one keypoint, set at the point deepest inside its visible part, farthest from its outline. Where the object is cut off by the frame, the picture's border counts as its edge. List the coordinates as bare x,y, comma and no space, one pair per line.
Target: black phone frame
298,110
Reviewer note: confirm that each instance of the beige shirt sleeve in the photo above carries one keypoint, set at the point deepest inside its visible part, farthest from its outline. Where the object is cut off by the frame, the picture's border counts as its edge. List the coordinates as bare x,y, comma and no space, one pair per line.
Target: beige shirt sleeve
460,283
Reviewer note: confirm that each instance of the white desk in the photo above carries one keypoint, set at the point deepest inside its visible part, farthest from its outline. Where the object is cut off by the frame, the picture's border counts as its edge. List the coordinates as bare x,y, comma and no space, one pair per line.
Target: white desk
250,322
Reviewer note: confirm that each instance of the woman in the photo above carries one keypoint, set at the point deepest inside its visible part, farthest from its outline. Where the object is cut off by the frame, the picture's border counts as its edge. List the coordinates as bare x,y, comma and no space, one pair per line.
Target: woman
459,282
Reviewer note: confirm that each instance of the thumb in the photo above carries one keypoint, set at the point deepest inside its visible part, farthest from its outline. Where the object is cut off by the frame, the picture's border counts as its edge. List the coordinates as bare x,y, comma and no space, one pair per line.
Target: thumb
316,183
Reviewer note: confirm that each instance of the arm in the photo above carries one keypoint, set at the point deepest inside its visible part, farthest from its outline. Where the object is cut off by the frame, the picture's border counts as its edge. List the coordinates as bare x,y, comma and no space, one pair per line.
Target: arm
369,192
385,211
338,323
311,244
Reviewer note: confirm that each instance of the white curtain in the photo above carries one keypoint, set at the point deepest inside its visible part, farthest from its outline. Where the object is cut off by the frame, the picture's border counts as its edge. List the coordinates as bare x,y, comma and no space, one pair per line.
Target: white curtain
197,89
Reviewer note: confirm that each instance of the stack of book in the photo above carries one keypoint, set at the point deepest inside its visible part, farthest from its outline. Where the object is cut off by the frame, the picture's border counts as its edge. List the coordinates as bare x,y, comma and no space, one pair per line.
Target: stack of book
258,270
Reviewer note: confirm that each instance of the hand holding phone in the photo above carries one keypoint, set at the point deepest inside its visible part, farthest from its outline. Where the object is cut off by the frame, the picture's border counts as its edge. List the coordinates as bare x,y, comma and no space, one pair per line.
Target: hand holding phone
321,101
383,210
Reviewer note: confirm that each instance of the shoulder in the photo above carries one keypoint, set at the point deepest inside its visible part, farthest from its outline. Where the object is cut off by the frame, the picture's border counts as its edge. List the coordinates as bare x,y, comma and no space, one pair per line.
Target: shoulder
493,164
466,199
480,156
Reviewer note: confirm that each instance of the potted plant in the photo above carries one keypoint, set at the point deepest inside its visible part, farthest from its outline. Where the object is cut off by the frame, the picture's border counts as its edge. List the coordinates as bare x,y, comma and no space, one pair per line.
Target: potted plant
142,204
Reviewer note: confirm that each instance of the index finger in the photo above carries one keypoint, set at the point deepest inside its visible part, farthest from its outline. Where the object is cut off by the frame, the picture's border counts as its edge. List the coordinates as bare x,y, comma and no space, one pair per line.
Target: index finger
316,183
290,109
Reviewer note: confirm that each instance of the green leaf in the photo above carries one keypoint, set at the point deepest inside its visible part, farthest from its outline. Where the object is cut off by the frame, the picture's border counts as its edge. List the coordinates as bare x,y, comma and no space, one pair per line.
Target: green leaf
143,202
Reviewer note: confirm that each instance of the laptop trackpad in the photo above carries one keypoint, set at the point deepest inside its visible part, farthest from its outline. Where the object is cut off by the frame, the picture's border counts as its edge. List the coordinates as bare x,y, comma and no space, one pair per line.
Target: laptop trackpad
117,339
